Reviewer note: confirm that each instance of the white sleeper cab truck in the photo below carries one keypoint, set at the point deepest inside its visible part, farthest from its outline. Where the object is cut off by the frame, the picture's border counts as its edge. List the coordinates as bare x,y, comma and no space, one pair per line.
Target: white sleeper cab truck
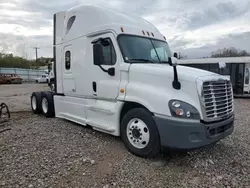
115,72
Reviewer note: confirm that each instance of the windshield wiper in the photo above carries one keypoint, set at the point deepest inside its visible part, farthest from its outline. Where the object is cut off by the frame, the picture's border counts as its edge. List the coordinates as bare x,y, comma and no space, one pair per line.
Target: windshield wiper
142,60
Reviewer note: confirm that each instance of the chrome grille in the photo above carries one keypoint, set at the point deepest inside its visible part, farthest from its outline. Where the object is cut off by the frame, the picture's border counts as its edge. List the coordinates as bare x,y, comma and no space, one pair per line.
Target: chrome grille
217,99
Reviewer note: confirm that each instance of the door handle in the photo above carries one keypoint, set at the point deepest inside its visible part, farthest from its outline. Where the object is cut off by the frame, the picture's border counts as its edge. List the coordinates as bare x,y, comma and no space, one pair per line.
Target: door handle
94,86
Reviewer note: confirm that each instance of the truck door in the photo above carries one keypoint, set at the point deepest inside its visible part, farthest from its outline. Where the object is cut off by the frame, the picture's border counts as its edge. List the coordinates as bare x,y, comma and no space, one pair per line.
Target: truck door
101,108
105,85
68,76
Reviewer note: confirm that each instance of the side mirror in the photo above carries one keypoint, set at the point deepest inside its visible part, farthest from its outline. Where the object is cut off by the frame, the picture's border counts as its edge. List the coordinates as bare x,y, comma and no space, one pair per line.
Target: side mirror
176,55
111,71
174,61
98,54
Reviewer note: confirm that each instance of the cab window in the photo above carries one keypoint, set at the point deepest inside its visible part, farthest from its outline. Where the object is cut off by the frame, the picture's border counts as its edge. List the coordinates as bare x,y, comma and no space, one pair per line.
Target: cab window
67,60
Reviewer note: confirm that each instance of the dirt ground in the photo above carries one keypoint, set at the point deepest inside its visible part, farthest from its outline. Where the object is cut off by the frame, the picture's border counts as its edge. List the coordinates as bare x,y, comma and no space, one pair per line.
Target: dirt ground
41,152
17,97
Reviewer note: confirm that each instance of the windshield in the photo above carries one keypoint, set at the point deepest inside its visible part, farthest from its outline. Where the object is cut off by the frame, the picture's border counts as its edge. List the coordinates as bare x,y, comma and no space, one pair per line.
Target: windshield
139,49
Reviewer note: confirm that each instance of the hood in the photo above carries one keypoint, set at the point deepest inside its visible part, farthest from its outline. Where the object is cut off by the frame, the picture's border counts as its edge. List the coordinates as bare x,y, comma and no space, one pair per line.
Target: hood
187,74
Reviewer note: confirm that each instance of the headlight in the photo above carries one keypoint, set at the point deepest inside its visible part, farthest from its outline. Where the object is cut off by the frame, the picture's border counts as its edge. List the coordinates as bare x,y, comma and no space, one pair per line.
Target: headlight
182,109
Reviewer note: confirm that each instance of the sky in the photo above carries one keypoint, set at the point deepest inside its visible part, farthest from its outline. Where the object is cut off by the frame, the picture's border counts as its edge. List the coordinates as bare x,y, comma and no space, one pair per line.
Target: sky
192,27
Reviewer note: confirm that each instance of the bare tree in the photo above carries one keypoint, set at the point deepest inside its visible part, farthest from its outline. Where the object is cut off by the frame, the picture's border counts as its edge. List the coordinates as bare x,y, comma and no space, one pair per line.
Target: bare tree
229,52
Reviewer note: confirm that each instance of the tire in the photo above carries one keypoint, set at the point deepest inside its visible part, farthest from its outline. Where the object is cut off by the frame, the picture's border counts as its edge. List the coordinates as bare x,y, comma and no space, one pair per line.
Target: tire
35,102
48,110
140,117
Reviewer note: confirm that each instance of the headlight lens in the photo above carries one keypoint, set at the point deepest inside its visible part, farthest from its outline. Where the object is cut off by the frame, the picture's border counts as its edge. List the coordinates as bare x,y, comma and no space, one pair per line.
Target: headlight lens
182,109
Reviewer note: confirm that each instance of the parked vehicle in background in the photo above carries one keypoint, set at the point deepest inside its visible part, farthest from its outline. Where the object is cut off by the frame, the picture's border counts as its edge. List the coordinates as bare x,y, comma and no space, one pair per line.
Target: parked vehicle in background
116,73
10,79
43,78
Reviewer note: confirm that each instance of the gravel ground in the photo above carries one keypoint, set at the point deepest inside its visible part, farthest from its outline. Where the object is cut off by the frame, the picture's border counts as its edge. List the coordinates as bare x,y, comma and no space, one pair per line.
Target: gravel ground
40,152
17,97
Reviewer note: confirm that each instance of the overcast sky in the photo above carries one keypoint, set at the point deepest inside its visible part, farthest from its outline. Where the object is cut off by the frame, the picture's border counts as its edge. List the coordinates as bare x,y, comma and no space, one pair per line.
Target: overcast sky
195,27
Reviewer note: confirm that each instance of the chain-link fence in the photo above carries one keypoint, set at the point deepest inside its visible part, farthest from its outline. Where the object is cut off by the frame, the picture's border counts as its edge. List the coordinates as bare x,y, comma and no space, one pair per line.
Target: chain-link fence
28,75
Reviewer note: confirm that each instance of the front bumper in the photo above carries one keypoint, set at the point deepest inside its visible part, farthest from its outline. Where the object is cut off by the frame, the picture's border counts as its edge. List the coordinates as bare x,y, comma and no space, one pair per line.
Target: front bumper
185,135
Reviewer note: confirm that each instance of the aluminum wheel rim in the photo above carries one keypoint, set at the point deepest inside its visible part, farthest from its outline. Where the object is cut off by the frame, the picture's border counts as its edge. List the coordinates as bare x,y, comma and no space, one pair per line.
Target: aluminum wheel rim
33,102
45,105
138,133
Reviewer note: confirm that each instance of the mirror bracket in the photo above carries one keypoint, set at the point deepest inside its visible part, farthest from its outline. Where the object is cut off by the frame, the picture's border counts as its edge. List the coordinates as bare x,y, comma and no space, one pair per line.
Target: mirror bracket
176,84
96,41
110,71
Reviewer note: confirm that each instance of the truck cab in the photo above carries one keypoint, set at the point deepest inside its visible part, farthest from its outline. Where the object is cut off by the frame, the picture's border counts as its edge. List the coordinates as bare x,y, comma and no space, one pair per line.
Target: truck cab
116,73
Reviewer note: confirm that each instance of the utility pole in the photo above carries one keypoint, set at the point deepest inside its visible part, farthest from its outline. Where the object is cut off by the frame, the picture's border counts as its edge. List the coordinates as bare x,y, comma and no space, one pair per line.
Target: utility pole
36,48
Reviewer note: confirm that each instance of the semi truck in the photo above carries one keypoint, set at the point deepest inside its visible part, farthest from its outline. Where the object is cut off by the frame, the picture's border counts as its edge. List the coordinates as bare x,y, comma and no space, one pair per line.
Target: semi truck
115,72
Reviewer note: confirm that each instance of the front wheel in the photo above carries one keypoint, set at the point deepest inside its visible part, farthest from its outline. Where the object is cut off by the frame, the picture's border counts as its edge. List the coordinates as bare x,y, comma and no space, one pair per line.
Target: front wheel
140,134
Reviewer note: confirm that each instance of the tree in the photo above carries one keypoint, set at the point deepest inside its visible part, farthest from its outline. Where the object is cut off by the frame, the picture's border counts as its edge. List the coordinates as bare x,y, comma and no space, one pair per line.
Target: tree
10,61
229,52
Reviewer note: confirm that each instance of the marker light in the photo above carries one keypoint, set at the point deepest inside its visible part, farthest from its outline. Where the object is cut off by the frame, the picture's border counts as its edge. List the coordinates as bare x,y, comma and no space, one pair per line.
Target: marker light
122,29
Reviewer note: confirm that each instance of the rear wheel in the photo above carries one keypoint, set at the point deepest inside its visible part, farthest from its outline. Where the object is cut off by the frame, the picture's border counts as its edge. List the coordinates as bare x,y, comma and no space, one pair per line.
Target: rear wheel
36,102
48,104
140,134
